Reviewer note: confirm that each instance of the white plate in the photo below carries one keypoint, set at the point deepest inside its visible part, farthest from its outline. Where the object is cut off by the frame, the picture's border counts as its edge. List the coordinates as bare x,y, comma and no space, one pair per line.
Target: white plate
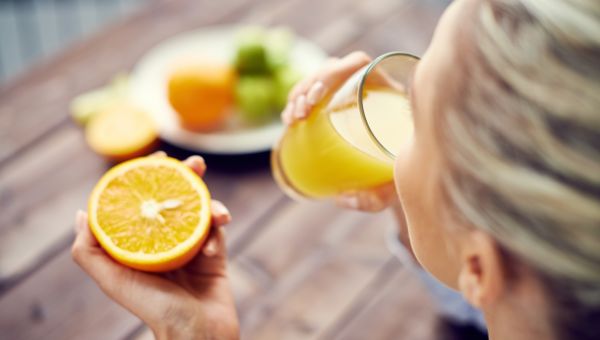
149,89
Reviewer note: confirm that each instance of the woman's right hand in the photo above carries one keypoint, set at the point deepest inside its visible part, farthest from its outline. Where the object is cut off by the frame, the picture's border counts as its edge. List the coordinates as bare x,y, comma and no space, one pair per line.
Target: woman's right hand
309,92
193,302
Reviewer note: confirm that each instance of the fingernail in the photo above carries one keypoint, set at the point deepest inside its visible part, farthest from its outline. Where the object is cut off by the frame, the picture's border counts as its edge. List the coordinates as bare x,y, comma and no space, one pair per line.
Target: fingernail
225,219
286,115
284,111
289,115
300,111
197,164
315,94
197,160
220,209
211,248
159,153
221,212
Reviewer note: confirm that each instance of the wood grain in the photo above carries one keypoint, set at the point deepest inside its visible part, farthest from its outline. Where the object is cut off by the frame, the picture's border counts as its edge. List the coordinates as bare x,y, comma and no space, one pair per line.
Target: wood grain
298,270
61,302
313,289
32,185
396,307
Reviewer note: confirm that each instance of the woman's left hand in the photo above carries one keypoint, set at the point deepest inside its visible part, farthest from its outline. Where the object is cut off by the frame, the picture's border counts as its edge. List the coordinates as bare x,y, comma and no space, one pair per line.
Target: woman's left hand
194,302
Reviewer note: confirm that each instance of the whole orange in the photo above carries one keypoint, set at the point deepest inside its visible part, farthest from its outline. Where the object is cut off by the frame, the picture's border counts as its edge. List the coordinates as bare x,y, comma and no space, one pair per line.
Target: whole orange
202,94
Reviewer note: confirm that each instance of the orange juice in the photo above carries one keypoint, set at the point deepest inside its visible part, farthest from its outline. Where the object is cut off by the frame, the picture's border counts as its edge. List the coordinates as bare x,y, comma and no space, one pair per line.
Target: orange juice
332,151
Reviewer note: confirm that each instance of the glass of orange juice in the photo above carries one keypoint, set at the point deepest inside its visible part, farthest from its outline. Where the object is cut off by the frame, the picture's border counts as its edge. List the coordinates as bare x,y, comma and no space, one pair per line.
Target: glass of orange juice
350,139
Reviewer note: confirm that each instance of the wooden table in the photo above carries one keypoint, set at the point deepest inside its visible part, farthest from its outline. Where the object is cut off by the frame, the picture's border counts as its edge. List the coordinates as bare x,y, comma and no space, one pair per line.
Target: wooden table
299,271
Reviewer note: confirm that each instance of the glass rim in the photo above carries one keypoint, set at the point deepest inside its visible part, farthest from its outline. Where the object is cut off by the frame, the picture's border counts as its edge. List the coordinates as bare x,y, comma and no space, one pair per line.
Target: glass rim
361,109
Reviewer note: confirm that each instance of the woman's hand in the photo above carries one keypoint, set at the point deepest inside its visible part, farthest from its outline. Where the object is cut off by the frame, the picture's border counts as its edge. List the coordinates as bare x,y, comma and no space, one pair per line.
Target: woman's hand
192,302
308,92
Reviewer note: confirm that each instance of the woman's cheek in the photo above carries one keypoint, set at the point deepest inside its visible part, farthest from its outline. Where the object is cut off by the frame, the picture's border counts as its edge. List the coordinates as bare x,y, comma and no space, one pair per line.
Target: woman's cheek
407,183
413,175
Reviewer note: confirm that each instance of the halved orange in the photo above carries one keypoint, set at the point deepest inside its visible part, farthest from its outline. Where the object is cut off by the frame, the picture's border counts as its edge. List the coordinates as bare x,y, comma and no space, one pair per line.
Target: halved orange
121,131
150,213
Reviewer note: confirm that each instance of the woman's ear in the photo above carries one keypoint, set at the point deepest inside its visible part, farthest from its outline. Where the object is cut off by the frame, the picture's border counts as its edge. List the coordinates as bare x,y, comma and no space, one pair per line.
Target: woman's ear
481,279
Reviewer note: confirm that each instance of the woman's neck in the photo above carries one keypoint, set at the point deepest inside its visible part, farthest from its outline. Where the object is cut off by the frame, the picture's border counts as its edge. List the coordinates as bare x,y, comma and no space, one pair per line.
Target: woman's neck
524,319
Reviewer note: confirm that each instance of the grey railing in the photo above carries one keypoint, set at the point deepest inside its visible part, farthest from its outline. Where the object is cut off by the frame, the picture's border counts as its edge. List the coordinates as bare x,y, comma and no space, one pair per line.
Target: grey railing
31,30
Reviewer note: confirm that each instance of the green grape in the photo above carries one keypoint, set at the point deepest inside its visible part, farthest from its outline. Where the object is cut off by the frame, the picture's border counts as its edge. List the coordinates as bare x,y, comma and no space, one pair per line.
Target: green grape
285,79
254,98
251,57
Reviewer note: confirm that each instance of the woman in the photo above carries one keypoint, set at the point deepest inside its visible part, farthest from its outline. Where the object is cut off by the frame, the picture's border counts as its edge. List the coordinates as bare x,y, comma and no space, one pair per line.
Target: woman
500,185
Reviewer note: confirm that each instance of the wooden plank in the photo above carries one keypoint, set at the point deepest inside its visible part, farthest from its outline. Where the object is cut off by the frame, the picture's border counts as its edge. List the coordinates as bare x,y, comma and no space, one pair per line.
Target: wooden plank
366,17
38,196
408,29
288,231
315,286
68,305
395,308
42,309
143,334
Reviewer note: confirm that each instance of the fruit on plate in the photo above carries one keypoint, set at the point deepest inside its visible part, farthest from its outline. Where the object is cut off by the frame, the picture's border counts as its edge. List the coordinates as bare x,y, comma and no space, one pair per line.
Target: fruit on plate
121,132
265,76
261,51
285,79
254,97
251,56
86,105
202,94
150,213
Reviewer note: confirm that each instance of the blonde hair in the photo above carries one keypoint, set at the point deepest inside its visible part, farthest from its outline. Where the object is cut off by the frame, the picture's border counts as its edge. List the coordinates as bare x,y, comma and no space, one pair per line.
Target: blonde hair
522,136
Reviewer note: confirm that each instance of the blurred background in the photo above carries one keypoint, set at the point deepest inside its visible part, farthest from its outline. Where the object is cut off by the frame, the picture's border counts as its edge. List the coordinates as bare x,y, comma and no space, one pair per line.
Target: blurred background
298,270
31,30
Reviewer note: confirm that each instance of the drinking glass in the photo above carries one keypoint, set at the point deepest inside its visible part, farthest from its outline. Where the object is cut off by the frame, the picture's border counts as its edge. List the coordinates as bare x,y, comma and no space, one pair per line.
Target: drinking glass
350,139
